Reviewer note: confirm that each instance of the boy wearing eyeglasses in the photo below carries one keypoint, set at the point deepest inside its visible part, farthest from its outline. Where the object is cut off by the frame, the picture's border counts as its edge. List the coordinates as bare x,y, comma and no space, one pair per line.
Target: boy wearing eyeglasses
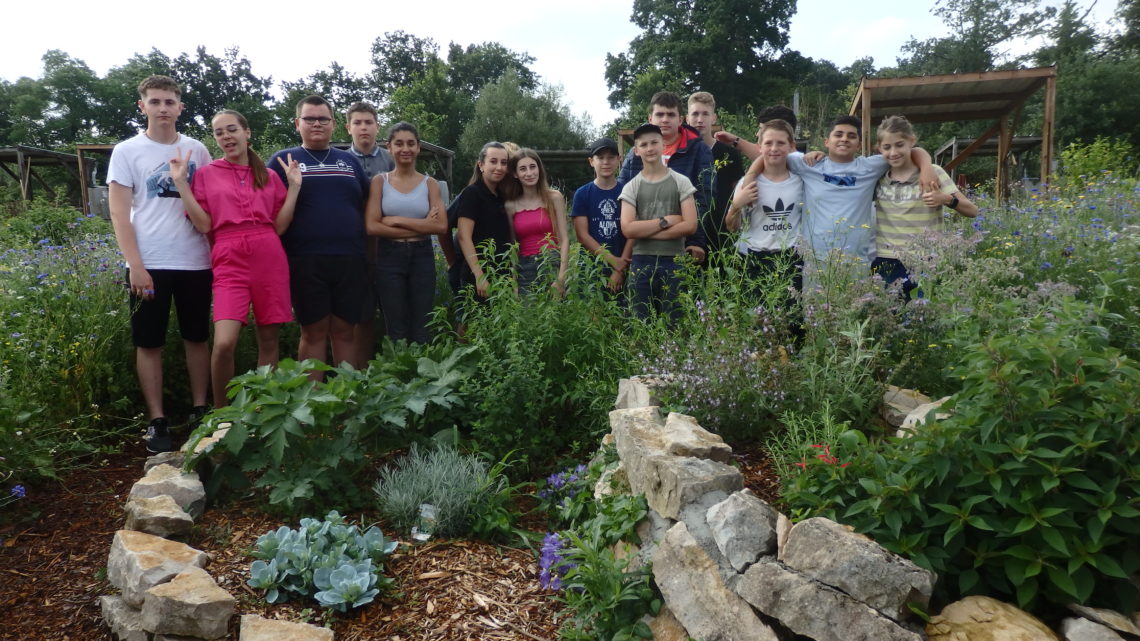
328,270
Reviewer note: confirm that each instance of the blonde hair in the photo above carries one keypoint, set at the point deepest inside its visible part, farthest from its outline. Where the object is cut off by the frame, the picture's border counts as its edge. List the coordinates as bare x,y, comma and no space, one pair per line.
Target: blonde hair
898,125
703,97
779,125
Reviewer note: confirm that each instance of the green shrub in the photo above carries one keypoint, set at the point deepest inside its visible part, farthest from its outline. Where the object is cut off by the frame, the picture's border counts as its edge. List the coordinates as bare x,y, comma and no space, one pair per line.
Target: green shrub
546,369
332,561
801,438
463,488
1082,163
1028,491
307,441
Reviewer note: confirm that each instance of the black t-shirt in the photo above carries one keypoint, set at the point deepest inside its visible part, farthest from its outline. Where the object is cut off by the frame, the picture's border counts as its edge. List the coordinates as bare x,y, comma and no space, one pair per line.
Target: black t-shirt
485,207
730,169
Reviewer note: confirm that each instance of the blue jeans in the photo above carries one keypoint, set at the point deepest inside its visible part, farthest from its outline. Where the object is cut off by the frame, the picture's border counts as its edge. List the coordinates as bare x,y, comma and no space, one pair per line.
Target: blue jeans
405,287
655,285
892,270
541,264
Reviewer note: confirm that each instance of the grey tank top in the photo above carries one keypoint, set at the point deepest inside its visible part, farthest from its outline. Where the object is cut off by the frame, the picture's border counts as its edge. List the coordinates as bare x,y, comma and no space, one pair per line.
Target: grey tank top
413,204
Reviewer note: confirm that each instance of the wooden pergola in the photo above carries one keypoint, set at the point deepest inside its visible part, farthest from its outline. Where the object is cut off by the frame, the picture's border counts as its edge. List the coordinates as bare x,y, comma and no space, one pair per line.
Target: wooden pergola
999,96
26,159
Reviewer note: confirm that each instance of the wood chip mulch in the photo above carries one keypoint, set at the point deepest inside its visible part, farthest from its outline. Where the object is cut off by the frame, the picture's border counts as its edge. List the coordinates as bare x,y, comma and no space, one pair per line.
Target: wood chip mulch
54,545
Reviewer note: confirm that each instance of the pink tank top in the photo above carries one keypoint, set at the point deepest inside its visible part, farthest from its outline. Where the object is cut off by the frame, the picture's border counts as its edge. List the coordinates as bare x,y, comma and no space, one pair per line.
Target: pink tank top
533,231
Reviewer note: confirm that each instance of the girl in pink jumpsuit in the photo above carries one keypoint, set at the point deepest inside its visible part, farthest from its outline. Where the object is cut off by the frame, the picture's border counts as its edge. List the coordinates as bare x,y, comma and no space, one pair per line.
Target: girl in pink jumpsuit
243,208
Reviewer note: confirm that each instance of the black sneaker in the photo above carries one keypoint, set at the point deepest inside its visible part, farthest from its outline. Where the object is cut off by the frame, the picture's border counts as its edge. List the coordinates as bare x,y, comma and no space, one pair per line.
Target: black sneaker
157,437
196,414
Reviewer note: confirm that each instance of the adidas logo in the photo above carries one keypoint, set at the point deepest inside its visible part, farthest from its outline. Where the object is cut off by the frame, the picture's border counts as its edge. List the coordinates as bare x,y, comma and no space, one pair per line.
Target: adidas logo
780,210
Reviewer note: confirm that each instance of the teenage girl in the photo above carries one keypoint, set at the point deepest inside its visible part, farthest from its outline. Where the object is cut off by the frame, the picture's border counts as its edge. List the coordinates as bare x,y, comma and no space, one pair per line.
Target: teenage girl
904,211
538,218
243,208
404,209
482,219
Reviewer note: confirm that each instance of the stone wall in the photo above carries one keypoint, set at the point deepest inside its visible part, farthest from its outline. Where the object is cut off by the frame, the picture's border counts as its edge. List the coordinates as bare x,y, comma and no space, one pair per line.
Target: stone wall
729,566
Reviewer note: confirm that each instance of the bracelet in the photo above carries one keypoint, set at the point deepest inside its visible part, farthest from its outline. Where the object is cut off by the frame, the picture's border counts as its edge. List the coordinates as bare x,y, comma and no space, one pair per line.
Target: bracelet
736,142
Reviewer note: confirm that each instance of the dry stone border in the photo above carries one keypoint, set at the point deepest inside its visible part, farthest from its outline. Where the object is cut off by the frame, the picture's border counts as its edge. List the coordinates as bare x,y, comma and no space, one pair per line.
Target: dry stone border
729,566
165,592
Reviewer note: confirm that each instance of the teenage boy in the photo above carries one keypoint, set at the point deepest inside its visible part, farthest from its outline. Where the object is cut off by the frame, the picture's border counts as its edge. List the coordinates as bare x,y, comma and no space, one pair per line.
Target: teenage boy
727,164
839,191
328,269
684,152
362,123
597,214
167,259
657,212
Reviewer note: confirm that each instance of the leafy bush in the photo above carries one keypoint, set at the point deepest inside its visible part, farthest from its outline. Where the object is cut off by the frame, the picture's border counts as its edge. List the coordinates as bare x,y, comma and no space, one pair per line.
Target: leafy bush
1029,490
308,440
330,560
463,488
1084,162
546,368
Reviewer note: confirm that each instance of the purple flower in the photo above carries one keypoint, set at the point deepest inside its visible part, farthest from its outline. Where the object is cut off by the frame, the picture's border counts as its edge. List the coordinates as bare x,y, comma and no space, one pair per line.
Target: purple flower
18,491
551,562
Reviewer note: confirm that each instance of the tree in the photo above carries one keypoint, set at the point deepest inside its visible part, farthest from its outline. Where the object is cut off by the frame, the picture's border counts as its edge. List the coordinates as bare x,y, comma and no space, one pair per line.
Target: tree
538,119
1128,15
210,84
982,27
399,59
724,46
430,103
470,69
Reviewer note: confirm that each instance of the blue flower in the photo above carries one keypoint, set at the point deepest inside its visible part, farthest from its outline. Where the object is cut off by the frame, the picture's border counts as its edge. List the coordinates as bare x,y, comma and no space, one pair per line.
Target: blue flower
1046,265
551,563
18,491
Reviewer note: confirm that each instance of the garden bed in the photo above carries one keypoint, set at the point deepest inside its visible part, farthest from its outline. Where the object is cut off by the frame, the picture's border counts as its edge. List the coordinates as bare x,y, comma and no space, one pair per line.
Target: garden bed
54,554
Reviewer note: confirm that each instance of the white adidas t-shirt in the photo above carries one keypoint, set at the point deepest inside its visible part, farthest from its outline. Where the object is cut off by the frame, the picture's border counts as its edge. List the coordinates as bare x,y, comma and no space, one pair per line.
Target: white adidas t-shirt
772,223
165,236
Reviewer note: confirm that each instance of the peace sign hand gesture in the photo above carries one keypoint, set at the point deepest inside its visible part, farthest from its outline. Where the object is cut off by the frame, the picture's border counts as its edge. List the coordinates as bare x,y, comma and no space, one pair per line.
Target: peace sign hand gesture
292,170
180,167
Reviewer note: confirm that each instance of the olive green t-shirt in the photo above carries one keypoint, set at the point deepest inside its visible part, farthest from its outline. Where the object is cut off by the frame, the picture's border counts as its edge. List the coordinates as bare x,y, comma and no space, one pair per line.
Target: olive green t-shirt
654,200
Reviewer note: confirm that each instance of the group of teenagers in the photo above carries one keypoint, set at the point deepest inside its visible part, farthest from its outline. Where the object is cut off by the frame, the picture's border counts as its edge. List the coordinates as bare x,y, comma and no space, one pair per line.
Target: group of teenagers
324,236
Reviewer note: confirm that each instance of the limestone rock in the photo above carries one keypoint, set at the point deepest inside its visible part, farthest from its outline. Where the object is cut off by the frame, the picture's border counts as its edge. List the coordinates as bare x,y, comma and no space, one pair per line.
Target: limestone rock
668,482
173,637
744,528
918,416
815,610
257,628
1078,629
832,554
666,627
691,585
650,531
173,459
632,392
1110,618
159,516
684,437
190,604
695,517
898,402
125,622
980,618
783,528
186,490
139,561
612,477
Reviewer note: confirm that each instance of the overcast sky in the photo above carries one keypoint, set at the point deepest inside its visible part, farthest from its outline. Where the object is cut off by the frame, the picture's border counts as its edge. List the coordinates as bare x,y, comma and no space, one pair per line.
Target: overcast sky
568,40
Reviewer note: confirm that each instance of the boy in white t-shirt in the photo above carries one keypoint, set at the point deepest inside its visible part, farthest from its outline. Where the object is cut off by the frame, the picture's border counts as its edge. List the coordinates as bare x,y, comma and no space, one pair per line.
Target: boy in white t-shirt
767,213
167,259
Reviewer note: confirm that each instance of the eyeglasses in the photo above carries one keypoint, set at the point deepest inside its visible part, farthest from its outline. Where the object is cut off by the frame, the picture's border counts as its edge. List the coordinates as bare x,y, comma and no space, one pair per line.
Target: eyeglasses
312,120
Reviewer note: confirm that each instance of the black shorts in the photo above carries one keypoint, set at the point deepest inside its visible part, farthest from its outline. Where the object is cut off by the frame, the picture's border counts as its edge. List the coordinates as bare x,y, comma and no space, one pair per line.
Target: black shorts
323,284
190,292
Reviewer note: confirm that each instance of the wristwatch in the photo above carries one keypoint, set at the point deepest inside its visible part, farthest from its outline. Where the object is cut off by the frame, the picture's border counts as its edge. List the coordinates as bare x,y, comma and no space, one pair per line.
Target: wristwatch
664,222
953,204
